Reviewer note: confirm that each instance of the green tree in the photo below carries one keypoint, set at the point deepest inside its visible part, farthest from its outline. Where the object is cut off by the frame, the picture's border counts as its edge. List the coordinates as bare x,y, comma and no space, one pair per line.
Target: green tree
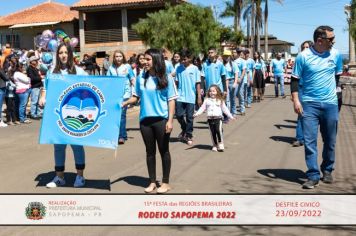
182,26
233,9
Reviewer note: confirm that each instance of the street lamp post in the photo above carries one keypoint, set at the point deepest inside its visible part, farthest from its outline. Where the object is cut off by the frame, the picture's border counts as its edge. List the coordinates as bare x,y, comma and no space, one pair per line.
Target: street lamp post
352,63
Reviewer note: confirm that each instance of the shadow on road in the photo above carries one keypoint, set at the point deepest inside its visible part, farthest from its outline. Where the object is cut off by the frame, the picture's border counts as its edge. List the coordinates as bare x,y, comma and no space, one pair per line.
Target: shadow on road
45,178
289,140
201,127
291,121
202,122
200,146
174,140
134,180
290,175
133,129
286,126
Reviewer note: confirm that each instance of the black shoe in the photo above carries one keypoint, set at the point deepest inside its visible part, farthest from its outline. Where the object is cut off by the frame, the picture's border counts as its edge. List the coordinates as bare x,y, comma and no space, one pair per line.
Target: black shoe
327,177
310,184
297,144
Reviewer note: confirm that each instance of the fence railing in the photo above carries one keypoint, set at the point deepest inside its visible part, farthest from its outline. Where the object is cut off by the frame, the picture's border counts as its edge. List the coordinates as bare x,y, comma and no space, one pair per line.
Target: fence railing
102,36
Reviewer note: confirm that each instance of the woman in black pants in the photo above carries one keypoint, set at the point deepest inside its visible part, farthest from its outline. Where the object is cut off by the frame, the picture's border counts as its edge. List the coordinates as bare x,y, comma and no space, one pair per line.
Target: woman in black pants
157,93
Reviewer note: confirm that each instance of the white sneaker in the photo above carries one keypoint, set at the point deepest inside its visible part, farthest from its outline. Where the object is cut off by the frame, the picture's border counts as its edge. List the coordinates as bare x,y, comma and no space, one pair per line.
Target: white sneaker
221,147
79,181
214,149
2,124
57,181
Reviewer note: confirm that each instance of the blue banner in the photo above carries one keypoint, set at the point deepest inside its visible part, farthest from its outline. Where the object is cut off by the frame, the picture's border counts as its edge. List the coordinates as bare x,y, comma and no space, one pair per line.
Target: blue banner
82,110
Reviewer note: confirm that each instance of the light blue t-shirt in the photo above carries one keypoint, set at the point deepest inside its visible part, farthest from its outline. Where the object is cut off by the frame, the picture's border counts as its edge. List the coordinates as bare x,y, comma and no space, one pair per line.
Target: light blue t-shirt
154,102
278,66
126,71
242,65
259,65
231,69
318,74
169,67
250,63
212,72
187,78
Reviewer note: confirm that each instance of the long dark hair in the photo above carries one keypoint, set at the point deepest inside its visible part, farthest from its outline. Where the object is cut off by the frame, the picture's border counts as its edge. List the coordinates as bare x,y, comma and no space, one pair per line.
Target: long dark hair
70,62
258,57
15,67
138,65
159,67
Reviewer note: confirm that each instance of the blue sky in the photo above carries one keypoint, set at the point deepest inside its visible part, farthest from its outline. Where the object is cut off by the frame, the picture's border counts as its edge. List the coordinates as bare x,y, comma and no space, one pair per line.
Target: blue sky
294,21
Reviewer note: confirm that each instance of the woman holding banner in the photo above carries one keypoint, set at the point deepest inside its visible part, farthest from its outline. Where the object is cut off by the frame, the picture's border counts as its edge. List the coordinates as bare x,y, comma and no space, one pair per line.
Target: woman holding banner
157,93
65,65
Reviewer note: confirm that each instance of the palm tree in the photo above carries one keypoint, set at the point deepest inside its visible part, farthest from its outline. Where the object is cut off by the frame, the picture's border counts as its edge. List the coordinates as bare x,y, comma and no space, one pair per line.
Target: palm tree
258,24
233,9
266,25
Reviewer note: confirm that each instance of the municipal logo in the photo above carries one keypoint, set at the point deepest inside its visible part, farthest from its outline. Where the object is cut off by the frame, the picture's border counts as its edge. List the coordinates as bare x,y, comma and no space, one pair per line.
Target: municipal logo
80,109
35,211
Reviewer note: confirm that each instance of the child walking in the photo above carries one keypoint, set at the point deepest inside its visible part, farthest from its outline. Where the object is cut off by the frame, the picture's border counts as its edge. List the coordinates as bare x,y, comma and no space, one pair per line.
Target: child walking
215,107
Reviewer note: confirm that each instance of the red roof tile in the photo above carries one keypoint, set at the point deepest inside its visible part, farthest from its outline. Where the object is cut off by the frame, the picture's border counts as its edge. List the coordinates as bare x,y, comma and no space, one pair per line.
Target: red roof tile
95,3
44,12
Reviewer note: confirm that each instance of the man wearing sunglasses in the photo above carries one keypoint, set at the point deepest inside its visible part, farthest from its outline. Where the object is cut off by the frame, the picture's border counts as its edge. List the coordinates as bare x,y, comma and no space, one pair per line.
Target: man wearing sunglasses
317,67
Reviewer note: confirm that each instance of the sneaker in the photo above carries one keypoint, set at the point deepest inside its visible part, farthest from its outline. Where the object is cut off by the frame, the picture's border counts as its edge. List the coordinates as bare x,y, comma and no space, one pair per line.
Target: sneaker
327,177
10,123
310,184
57,181
26,122
221,147
17,122
189,141
248,106
79,182
214,149
121,141
284,96
297,144
2,124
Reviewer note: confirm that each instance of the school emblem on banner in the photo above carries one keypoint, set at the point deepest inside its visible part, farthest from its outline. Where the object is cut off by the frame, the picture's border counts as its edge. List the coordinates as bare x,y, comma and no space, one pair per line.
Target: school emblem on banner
82,110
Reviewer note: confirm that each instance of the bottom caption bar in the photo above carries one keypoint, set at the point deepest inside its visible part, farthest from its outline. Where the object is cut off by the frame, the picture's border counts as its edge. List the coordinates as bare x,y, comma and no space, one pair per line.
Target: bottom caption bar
178,209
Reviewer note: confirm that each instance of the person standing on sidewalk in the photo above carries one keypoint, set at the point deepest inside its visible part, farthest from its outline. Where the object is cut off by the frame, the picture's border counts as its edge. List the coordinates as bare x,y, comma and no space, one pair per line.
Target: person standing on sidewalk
157,93
36,85
188,84
318,66
3,81
278,67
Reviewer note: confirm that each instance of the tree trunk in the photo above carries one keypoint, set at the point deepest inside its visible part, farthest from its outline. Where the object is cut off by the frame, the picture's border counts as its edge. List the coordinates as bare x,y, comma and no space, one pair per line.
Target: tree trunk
248,32
253,25
266,30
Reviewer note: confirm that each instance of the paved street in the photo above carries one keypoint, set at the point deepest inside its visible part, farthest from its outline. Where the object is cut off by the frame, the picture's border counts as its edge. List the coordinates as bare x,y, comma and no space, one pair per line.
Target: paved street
258,159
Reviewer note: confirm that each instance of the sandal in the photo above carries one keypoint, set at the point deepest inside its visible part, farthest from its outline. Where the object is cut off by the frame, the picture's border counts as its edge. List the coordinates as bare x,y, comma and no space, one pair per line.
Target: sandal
150,188
164,189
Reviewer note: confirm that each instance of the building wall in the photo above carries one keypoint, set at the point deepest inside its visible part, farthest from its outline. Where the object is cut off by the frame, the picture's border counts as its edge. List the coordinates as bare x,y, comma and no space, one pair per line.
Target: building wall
27,35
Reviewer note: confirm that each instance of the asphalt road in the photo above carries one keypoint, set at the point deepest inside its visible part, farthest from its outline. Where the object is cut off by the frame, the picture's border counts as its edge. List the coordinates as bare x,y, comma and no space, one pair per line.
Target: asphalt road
258,159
